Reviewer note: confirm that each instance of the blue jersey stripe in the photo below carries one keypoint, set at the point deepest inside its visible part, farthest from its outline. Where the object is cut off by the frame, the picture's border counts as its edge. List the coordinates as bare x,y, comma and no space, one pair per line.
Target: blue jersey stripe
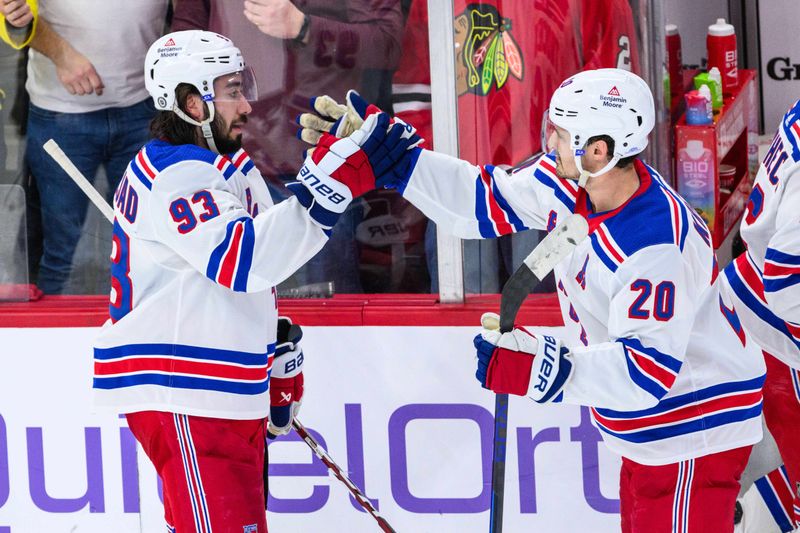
246,249
778,284
691,426
139,174
548,182
773,503
215,259
604,257
776,256
504,205
644,381
229,170
187,351
682,400
754,304
181,382
247,167
660,357
485,224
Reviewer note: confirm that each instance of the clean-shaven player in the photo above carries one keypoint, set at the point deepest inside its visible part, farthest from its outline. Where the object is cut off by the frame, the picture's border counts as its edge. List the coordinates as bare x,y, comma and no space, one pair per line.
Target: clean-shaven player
654,347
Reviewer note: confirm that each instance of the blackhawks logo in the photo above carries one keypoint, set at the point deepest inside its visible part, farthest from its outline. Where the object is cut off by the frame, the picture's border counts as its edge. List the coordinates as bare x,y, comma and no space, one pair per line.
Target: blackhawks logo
486,51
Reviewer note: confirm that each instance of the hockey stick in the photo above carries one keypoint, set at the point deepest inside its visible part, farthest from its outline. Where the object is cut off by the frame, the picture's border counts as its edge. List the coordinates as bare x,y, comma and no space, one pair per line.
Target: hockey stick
557,245
55,151
341,476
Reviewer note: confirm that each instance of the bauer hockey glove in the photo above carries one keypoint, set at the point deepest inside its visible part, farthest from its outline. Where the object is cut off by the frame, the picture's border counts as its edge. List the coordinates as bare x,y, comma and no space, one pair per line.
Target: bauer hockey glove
521,363
341,120
286,379
342,169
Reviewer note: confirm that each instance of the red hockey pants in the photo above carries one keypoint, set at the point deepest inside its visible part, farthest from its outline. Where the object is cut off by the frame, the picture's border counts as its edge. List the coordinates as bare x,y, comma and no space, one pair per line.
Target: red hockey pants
211,470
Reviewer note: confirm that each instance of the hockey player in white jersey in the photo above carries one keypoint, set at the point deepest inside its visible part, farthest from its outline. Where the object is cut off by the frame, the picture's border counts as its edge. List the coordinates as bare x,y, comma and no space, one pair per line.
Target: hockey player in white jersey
198,248
654,347
765,285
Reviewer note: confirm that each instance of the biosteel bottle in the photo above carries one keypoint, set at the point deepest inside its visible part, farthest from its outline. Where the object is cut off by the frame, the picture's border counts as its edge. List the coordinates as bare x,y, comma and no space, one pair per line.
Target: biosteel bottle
721,44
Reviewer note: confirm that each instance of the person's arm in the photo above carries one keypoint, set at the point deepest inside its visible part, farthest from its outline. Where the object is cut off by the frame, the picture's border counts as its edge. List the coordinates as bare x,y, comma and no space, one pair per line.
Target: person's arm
18,21
191,15
782,259
211,229
478,202
650,321
75,71
370,38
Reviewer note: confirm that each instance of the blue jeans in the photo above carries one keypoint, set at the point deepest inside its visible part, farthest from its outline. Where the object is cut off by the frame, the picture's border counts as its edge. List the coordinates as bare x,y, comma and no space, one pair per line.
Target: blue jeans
109,137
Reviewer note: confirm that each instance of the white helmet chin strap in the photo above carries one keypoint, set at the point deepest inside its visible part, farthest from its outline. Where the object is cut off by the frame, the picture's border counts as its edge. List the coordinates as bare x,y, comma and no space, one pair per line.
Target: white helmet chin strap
585,174
205,125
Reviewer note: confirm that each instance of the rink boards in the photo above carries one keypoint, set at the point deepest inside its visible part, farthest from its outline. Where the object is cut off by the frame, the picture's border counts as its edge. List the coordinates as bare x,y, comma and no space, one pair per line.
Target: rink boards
398,407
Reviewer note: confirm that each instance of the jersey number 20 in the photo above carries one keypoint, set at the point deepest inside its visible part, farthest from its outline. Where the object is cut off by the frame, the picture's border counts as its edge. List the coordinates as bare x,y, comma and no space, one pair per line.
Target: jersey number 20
663,305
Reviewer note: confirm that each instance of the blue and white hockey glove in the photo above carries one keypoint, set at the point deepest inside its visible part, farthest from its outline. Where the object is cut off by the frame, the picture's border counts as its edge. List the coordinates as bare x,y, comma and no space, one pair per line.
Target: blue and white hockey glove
521,363
342,169
286,379
340,120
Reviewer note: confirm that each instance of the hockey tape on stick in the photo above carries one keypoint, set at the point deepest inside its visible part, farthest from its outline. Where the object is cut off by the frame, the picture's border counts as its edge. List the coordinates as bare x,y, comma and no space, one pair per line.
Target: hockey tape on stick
55,151
558,244
61,158
341,476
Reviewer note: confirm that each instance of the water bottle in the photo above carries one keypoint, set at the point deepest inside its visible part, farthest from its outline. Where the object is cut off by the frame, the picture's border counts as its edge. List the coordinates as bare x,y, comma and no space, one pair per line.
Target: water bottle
721,44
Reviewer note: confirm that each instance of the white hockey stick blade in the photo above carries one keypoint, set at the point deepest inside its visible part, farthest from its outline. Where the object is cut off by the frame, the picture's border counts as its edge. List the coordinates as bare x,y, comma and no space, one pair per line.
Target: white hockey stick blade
557,245
55,151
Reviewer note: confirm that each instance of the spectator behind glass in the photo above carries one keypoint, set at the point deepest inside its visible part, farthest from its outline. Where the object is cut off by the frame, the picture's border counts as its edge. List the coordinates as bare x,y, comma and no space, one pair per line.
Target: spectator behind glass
17,22
17,27
87,92
302,49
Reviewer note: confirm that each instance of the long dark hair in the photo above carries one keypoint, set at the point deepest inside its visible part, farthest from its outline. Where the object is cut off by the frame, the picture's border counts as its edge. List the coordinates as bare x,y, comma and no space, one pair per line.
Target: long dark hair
168,126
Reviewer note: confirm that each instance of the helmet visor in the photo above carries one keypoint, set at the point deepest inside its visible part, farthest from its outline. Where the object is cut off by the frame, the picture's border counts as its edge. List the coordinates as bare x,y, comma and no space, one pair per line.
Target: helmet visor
548,129
236,86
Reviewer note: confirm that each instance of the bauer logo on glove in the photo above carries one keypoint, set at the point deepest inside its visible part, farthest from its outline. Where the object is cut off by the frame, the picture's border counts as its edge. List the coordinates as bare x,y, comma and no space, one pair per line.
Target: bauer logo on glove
286,384
521,363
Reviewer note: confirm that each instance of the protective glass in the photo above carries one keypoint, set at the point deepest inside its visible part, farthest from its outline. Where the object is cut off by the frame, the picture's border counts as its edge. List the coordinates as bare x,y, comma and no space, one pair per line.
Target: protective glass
236,86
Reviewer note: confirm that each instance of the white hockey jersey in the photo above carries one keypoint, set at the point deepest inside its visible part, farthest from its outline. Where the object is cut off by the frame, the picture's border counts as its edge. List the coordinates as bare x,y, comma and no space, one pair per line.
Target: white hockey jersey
198,248
658,352
765,280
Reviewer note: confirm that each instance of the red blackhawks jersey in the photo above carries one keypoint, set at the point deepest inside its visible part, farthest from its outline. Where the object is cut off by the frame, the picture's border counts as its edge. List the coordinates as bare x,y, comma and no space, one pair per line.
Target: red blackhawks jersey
657,349
765,280
510,57
198,248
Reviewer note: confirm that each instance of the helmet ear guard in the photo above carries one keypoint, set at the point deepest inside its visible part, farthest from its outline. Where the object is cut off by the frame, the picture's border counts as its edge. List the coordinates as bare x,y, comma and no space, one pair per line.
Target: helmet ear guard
612,102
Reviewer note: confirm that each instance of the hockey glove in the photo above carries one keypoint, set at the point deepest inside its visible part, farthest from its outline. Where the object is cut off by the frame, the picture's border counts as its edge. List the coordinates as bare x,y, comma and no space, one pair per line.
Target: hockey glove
341,120
521,363
286,379
342,169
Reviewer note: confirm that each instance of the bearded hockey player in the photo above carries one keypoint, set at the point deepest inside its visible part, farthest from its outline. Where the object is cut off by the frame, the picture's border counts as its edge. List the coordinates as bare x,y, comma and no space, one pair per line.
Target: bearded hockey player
652,344
198,248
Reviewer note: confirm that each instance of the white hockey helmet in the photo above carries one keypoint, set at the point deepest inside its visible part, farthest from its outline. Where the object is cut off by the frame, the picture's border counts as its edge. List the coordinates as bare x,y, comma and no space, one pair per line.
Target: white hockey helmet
608,101
198,58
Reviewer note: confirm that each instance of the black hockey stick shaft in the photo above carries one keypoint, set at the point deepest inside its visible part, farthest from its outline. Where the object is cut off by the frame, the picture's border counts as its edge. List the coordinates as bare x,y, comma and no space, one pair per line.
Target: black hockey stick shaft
340,474
561,242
